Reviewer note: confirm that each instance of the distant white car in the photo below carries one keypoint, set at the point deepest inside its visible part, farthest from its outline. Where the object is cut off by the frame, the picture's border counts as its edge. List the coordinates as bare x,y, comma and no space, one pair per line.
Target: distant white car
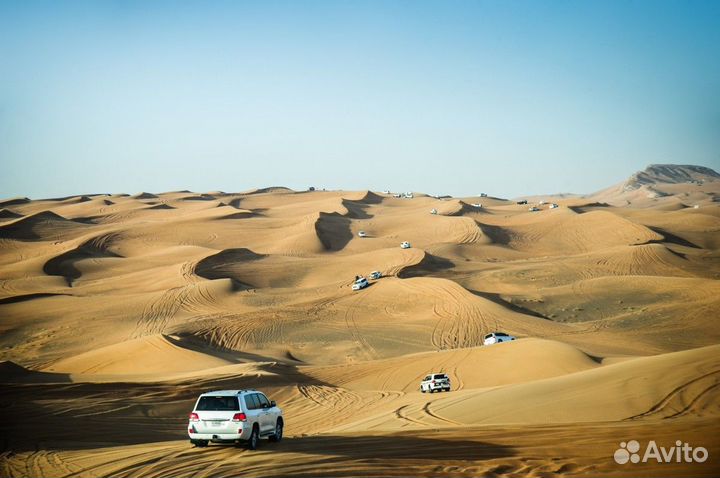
483,195
553,206
477,205
362,234
386,192
360,283
497,337
375,275
435,382
433,211
408,195
397,195
533,209
405,245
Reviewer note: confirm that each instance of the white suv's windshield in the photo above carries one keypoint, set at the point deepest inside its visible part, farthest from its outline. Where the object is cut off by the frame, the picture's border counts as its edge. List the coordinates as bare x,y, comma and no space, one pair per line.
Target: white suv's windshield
216,404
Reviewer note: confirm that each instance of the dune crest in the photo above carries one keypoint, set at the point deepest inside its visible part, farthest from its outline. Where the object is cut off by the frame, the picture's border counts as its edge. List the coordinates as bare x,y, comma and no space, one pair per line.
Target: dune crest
145,355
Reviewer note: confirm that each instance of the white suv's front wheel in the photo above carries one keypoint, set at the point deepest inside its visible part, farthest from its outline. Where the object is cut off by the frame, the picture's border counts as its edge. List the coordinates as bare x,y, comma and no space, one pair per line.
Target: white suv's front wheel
277,436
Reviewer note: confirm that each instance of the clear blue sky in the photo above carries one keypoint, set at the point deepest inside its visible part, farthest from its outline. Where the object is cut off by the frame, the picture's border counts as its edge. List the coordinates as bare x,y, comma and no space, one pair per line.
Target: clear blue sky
453,97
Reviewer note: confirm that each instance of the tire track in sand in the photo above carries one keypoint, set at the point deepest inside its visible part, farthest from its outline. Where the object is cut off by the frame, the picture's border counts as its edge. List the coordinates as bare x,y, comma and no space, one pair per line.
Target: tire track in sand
682,399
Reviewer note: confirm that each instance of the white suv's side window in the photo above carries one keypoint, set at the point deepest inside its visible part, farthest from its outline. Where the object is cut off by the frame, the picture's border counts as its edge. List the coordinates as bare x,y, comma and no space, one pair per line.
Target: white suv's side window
250,402
264,402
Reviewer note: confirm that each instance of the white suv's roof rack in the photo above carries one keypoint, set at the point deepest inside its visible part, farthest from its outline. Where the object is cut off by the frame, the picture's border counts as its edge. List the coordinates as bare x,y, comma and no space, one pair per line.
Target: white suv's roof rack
229,392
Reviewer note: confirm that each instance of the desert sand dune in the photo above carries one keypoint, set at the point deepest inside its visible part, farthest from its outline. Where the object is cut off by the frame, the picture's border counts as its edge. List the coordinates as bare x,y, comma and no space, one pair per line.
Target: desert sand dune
577,233
468,368
155,354
116,311
161,206
600,394
144,195
267,270
14,202
64,265
6,214
688,381
44,225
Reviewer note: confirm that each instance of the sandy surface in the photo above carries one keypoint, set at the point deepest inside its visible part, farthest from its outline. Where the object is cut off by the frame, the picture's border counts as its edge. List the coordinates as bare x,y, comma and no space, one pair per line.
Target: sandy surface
116,311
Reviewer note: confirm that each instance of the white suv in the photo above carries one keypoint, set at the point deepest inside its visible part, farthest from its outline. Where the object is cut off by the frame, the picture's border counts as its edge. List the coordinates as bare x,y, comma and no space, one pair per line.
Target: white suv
497,337
234,416
360,283
435,381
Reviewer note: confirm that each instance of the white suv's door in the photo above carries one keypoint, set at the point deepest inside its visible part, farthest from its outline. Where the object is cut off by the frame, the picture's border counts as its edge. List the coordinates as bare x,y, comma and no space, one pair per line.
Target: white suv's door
267,420
254,411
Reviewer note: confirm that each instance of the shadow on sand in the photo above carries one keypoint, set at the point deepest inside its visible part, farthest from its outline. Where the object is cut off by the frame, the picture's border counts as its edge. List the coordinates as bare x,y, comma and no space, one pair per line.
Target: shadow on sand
404,446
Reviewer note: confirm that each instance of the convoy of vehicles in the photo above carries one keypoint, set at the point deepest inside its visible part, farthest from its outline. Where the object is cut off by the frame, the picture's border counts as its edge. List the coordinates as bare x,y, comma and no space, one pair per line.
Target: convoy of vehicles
246,416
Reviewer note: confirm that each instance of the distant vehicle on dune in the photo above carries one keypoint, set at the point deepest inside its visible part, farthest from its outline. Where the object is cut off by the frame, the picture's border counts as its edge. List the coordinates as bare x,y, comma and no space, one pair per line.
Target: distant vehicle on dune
360,283
497,337
405,245
375,275
362,234
435,382
433,211
524,201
